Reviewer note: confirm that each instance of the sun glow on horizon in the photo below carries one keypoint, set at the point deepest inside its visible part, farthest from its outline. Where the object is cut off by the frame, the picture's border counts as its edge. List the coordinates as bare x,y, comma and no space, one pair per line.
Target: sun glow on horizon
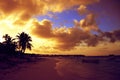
62,26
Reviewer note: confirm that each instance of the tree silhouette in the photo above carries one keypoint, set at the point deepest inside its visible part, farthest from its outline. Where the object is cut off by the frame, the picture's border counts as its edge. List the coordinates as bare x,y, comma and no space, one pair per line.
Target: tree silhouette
9,45
6,36
8,39
24,41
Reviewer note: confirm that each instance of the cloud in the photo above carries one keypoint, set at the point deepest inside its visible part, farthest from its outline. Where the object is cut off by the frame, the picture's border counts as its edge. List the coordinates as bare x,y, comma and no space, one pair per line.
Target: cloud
88,23
67,38
42,29
112,36
22,12
16,13
29,8
92,41
82,9
116,34
70,38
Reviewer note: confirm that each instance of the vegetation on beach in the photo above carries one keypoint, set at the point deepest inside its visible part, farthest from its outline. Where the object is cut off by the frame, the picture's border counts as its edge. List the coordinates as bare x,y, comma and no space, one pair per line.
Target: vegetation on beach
16,45
12,50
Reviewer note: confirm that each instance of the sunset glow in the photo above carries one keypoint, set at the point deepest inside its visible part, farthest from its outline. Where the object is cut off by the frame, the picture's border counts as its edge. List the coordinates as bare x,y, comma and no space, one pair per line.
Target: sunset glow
88,27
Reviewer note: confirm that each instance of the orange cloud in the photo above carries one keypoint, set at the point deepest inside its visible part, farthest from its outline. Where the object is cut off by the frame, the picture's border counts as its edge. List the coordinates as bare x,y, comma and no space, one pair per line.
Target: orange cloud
71,38
37,7
16,13
67,38
42,29
22,12
82,9
88,24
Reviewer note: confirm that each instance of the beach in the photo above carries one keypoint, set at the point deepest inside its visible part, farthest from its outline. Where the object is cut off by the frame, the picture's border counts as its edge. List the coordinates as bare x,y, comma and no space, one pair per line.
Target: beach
61,68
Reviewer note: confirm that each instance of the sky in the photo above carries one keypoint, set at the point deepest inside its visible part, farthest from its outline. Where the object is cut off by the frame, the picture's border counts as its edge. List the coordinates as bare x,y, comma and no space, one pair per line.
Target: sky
88,27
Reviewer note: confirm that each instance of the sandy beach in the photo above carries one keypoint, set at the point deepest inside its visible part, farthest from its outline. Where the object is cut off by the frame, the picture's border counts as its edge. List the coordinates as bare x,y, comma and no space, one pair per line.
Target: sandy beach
42,70
55,68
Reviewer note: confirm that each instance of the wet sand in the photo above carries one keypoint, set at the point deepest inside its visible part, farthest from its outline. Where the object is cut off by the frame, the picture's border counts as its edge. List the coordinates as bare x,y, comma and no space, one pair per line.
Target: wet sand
55,68
41,70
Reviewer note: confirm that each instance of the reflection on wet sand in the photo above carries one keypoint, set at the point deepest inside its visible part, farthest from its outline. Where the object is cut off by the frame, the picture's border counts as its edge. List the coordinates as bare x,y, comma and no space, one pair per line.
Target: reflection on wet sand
72,69
66,68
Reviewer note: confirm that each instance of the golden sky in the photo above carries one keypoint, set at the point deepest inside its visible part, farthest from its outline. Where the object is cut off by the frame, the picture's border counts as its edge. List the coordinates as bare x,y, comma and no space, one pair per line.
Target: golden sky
18,16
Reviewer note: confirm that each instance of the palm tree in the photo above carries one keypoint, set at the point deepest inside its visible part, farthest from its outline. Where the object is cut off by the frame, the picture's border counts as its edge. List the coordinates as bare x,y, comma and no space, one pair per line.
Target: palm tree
24,41
9,44
6,37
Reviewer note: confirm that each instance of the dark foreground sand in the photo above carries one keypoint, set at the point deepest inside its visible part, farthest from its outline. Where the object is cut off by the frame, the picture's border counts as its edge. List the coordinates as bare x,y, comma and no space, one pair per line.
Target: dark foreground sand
55,68
41,70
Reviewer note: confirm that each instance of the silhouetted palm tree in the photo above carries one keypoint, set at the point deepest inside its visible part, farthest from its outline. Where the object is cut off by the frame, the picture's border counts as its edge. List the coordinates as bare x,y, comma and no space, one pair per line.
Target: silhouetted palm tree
24,41
9,44
6,37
